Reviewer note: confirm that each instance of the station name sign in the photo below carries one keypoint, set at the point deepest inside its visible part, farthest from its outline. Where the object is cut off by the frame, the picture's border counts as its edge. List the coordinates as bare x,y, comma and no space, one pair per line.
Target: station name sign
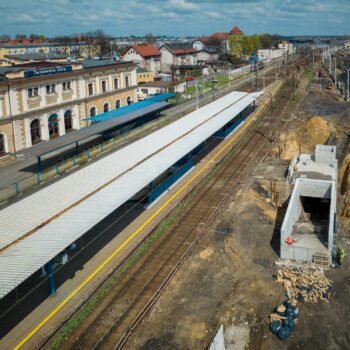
35,73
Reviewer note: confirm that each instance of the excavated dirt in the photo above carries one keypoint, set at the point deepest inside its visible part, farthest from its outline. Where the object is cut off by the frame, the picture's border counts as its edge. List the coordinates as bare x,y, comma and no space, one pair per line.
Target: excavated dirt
228,278
316,130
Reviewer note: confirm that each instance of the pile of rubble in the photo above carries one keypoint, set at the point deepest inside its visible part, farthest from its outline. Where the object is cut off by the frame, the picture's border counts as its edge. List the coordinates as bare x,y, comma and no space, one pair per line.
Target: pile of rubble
305,285
300,285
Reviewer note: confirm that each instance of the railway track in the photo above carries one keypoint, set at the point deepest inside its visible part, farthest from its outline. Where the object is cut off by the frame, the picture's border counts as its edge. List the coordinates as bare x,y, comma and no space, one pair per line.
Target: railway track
135,293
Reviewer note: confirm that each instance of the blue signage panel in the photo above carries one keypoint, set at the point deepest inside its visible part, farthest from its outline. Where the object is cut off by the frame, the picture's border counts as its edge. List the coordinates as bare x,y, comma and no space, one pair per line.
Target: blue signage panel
34,73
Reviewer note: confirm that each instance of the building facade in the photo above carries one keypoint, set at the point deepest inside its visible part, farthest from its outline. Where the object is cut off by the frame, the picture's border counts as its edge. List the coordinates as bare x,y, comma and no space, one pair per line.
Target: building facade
42,101
178,55
287,47
145,55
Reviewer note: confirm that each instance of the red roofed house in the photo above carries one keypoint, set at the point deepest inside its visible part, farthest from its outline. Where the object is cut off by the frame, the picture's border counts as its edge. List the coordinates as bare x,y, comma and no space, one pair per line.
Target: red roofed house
178,55
223,37
236,31
145,55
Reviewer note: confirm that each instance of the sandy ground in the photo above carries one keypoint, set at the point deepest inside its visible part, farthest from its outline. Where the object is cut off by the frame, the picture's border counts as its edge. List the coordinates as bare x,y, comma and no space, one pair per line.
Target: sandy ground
228,279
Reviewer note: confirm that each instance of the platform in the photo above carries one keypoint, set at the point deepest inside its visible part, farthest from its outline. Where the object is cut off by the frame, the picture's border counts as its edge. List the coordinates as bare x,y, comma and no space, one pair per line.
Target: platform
33,231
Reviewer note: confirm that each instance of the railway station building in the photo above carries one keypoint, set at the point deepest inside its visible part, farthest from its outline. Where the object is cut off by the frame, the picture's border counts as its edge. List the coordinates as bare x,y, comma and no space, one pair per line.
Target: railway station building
41,101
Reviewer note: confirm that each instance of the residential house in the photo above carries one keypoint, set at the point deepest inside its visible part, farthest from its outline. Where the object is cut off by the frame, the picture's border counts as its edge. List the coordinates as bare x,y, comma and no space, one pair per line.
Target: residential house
207,55
178,54
145,55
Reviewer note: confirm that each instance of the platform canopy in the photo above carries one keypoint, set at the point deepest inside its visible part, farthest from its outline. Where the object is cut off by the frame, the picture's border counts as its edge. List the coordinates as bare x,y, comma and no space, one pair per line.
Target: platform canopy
36,229
115,113
106,121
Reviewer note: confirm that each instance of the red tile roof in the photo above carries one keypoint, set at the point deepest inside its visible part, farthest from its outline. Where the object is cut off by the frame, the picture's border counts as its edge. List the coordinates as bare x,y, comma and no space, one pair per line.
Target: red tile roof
220,36
183,51
236,30
144,50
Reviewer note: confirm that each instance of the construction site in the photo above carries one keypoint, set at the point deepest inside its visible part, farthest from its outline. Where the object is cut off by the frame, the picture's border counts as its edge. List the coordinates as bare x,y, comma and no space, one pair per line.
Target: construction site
223,228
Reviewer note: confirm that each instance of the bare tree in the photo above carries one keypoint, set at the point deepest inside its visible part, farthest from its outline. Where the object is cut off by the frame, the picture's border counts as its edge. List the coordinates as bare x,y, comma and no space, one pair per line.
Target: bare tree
5,37
88,39
64,41
101,41
149,38
20,36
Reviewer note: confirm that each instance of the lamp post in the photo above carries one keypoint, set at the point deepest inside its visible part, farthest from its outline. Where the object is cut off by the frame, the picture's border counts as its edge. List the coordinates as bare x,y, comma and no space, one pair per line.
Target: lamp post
335,72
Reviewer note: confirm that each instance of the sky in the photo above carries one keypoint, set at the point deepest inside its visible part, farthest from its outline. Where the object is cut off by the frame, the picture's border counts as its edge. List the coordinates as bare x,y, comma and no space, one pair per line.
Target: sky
175,17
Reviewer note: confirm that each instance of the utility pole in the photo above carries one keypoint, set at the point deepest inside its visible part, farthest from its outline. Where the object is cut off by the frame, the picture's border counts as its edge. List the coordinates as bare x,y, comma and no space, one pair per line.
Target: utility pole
229,76
313,59
330,65
197,99
264,81
348,97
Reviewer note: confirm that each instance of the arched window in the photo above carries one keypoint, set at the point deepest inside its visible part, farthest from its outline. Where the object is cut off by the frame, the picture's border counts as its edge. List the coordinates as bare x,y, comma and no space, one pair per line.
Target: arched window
68,125
2,145
129,100
53,126
92,111
35,131
105,107
117,104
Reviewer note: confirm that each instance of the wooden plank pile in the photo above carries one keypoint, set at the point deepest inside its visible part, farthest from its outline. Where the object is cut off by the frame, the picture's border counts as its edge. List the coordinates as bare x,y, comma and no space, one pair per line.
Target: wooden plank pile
305,285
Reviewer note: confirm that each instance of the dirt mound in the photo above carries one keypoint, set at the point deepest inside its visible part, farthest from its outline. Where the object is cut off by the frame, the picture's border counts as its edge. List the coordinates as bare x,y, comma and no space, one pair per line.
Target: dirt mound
315,130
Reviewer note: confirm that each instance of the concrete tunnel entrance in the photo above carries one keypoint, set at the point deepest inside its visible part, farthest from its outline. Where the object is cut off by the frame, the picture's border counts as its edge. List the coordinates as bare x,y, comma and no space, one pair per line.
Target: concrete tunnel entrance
314,218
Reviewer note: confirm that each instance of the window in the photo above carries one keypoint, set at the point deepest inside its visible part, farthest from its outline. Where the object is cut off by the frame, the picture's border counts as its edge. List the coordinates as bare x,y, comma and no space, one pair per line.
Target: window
2,145
66,85
91,89
127,83
117,104
104,86
105,107
53,126
50,89
68,120
92,111
32,92
116,84
35,131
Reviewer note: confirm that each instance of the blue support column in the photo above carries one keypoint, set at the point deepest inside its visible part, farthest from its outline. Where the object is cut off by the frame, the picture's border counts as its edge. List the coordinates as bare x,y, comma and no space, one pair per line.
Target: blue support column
40,165
50,276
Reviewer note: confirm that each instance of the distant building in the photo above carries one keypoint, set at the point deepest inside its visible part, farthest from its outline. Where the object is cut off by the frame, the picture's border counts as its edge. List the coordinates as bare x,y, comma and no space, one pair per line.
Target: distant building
224,38
34,57
207,55
144,75
178,55
270,54
150,89
40,101
145,55
286,47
